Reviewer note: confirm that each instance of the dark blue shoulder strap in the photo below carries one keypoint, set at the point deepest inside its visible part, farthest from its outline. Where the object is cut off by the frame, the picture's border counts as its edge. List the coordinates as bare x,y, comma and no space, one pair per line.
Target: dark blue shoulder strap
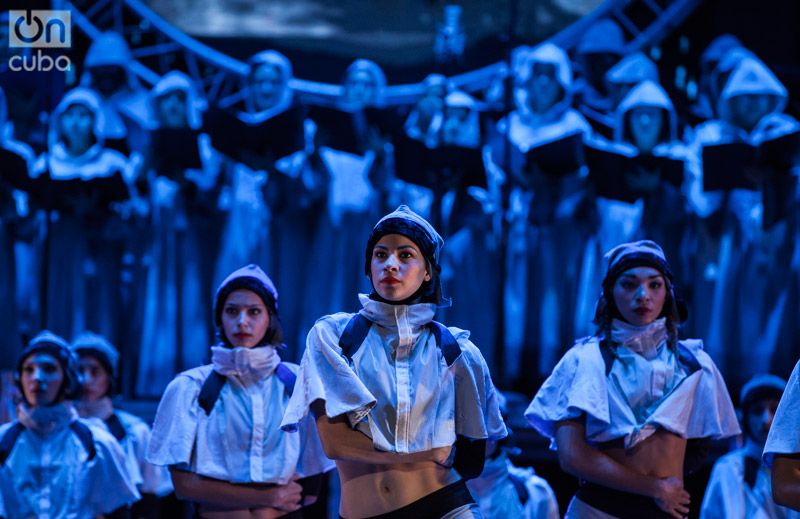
353,335
519,486
608,355
445,340
83,433
687,358
115,426
751,466
8,441
210,391
358,326
287,376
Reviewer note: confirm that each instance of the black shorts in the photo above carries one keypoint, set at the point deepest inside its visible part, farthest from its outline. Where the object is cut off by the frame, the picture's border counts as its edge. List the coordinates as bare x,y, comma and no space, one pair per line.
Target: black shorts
623,505
433,506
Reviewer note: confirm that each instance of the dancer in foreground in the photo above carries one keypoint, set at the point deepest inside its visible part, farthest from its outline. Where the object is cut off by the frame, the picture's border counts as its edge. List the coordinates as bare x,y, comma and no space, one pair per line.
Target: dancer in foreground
782,450
217,425
391,389
624,407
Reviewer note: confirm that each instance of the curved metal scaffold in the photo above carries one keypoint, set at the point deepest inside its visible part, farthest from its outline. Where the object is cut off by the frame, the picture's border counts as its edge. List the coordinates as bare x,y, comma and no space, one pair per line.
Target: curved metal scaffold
159,47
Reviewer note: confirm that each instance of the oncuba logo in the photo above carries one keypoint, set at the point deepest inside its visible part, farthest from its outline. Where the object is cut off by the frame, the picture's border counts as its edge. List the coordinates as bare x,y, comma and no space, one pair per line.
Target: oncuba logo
36,28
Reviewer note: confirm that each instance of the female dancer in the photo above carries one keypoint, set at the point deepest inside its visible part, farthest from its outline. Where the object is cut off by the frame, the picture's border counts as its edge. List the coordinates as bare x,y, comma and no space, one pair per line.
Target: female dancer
98,362
217,425
620,407
391,389
52,463
782,450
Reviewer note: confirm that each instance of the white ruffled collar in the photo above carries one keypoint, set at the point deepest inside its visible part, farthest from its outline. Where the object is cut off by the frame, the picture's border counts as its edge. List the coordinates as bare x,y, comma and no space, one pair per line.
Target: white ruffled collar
102,409
644,340
59,152
247,363
45,420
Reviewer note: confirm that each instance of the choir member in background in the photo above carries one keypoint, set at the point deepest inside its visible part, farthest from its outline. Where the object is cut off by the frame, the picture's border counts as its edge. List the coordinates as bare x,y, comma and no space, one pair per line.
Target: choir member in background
126,107
548,195
740,191
83,188
184,177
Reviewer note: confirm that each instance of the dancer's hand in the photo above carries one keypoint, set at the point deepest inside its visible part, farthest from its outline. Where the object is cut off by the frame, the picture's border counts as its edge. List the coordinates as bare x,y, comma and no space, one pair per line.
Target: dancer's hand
672,498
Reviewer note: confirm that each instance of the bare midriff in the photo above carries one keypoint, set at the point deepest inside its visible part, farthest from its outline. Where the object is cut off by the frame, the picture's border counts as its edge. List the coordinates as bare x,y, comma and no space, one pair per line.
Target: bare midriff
369,489
266,513
661,455
205,513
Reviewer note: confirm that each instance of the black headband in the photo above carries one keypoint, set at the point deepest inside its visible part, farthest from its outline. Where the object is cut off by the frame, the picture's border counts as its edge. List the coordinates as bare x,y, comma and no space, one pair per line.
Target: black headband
637,259
403,227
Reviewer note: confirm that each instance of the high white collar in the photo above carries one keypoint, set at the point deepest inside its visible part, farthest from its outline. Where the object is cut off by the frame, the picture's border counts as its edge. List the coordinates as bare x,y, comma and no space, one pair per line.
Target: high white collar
388,315
60,153
247,363
644,340
102,409
45,420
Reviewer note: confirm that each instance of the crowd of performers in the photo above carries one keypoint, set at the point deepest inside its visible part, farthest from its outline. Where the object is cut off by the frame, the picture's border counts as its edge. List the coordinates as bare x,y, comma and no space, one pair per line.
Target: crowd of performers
131,205
405,409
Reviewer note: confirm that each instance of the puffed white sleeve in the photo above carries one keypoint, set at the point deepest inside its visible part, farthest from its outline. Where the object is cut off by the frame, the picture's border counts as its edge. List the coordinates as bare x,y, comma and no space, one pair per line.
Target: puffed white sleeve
175,428
110,486
478,413
577,386
312,457
542,502
784,435
710,412
325,375
4,474
156,479
724,496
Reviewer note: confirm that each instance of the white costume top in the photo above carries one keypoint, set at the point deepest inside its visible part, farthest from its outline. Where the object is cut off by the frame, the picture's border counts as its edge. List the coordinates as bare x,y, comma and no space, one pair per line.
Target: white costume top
498,498
647,387
240,440
155,480
398,389
784,435
49,476
149,478
728,496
